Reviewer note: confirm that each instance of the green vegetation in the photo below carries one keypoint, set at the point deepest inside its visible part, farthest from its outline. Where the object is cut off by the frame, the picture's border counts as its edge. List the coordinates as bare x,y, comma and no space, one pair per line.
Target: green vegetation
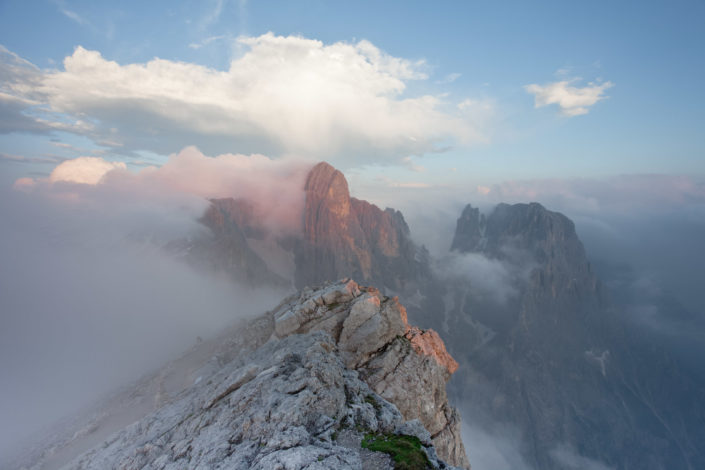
405,450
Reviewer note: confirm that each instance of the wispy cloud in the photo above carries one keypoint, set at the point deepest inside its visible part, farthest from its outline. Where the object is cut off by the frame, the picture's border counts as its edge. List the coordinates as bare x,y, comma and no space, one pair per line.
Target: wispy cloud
213,14
450,78
207,41
572,100
72,15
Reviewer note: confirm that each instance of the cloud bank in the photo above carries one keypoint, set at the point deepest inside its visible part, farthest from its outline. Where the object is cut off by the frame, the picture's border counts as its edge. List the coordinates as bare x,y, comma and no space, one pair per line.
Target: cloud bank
572,100
90,302
187,180
285,95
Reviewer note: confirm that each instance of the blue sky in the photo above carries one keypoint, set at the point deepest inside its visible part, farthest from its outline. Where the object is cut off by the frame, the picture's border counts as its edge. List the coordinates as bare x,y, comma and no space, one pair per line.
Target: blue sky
648,119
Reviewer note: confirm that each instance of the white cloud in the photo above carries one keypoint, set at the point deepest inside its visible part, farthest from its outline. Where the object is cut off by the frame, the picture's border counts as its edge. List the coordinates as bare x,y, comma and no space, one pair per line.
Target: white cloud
213,15
572,100
72,15
206,41
84,170
286,95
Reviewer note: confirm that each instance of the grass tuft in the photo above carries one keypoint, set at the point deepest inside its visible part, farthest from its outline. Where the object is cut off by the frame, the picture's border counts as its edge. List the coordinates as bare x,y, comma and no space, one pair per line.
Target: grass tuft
405,450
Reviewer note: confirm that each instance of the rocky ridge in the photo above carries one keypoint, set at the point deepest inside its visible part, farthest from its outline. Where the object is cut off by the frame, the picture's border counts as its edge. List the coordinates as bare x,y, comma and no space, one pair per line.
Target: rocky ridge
300,387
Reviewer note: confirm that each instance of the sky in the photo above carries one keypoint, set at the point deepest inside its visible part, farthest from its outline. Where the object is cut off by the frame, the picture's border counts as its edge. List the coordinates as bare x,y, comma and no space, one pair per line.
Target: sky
424,93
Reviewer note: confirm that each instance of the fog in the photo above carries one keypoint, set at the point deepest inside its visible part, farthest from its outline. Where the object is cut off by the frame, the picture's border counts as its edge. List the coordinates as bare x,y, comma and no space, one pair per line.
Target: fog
89,301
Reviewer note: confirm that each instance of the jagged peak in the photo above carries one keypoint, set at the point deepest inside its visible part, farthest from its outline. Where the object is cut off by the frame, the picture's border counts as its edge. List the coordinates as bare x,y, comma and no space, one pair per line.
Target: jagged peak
324,180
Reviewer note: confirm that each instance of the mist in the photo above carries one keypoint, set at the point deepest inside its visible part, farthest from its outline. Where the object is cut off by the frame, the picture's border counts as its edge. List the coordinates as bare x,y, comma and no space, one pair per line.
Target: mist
89,301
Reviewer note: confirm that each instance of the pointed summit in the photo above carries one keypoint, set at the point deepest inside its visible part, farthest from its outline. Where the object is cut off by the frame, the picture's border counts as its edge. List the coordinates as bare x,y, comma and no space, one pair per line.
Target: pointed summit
346,237
327,202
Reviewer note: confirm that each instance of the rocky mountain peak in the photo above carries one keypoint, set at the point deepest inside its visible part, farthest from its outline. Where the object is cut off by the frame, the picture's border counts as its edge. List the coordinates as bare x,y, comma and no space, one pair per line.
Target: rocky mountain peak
327,197
543,233
348,237
234,214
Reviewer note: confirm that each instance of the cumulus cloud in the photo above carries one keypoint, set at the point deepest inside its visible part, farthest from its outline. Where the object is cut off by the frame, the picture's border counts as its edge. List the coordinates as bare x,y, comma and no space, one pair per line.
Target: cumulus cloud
84,170
284,95
572,100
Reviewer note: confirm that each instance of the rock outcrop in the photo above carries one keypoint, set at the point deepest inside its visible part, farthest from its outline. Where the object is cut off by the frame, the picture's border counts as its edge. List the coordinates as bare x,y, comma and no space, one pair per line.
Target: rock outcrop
405,365
344,236
299,387
225,249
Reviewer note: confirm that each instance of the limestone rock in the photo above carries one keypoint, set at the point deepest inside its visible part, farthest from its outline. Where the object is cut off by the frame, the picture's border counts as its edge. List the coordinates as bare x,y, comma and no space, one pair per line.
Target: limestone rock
344,236
404,364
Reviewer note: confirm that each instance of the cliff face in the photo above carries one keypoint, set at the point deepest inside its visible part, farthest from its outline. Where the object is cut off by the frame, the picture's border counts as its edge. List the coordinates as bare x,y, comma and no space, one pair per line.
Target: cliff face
344,236
562,364
297,388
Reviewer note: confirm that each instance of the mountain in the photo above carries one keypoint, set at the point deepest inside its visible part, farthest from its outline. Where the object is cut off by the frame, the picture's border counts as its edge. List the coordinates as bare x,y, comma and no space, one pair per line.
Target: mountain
345,236
320,382
562,363
227,247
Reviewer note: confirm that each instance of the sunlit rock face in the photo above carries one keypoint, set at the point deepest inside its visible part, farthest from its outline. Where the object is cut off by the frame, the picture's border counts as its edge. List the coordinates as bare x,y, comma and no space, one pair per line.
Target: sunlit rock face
297,387
344,236
562,364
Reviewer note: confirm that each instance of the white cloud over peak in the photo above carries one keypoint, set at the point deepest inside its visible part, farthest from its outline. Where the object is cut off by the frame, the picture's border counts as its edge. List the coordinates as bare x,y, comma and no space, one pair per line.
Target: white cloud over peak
285,95
572,100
